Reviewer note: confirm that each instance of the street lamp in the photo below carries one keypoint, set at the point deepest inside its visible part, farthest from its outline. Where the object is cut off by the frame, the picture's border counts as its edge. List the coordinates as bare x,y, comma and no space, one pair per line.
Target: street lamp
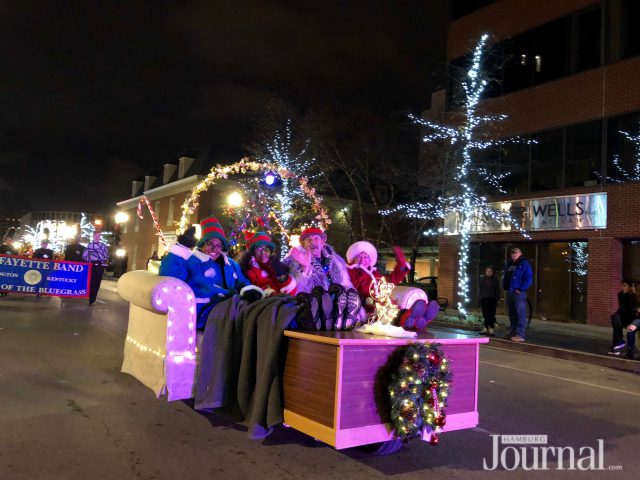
122,217
235,199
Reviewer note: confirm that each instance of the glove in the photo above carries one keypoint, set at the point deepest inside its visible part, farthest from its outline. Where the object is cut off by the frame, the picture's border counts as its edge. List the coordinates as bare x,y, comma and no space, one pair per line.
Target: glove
401,259
251,295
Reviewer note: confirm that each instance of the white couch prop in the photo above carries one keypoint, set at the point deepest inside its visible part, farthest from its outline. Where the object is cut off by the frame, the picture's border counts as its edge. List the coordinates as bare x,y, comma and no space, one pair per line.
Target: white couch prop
404,297
160,348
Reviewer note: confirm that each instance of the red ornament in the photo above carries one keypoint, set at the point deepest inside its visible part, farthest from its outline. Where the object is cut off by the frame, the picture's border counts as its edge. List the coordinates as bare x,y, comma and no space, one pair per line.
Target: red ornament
441,420
434,440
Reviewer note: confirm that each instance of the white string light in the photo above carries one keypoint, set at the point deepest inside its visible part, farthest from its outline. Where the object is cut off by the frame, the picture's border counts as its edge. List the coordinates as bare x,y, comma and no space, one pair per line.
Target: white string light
466,203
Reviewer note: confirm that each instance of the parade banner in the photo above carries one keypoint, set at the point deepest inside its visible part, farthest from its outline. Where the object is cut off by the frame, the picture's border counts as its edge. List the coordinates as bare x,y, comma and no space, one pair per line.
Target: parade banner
52,278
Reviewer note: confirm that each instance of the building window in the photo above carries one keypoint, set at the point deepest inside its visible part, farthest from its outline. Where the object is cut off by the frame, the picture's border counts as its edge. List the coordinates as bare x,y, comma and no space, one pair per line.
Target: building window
546,160
514,160
564,46
134,261
582,154
136,227
629,31
460,8
622,155
586,33
517,54
550,51
172,202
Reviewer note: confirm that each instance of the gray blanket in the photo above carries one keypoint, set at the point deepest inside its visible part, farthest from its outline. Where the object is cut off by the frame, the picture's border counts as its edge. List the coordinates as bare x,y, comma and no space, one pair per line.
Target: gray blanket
242,359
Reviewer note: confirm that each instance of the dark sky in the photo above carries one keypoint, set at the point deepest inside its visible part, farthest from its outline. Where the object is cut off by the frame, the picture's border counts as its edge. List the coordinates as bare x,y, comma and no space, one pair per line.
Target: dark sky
94,93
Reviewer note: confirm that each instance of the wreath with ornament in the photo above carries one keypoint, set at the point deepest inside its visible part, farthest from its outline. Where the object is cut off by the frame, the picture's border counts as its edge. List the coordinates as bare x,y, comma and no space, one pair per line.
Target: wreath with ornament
418,392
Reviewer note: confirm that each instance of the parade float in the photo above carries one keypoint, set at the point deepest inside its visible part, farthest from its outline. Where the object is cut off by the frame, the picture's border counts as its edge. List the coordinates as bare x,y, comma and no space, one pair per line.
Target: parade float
347,388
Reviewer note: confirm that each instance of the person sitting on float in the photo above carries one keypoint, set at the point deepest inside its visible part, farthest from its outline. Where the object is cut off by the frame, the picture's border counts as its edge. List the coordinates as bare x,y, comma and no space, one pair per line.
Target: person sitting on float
315,263
175,262
263,268
362,258
213,276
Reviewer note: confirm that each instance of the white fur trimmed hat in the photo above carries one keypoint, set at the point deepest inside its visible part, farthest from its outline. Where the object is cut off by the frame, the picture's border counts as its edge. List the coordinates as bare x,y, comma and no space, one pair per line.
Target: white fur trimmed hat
357,248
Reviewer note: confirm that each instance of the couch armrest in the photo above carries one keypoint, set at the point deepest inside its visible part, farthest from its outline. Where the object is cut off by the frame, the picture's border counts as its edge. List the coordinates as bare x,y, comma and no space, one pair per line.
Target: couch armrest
150,291
160,348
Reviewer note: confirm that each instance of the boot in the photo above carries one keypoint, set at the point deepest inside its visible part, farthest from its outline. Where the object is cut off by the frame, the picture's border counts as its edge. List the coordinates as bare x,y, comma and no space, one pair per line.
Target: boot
323,317
339,304
410,316
354,304
307,311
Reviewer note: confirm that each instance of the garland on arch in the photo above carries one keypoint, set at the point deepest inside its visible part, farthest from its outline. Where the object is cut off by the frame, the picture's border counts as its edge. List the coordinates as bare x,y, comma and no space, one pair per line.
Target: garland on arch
244,167
418,392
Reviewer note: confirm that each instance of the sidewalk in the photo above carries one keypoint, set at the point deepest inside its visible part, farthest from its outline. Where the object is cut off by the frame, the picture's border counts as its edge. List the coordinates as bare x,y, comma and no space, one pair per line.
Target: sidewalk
568,341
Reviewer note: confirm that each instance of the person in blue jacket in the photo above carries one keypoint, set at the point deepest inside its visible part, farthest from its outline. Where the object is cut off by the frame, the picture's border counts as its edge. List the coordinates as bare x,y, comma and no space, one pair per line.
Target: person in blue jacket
174,263
518,277
213,276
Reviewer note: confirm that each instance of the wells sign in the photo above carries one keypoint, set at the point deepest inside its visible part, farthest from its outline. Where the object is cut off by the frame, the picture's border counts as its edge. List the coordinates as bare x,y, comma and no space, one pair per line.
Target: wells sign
570,212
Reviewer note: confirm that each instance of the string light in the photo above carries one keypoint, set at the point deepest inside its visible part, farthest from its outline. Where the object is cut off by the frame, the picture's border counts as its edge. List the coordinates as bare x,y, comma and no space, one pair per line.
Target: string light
578,258
466,205
282,209
623,175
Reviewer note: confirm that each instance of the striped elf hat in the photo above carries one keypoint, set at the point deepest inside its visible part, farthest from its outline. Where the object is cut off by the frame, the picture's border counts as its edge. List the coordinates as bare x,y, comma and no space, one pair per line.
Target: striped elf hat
210,228
261,239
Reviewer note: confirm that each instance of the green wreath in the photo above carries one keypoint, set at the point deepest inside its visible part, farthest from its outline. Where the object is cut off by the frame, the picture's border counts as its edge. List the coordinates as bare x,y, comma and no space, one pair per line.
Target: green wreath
418,392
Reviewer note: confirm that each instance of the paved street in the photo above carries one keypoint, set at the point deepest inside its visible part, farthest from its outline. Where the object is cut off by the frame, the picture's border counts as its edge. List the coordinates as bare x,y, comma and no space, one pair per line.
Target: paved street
66,412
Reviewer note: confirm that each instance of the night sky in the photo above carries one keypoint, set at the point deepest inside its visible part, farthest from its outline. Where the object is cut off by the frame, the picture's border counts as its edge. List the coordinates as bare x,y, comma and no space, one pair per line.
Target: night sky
96,93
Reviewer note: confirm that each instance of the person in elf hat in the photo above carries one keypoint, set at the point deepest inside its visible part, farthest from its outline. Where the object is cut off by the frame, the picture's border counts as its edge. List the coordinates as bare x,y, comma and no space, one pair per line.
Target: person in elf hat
263,268
175,262
315,263
362,257
213,276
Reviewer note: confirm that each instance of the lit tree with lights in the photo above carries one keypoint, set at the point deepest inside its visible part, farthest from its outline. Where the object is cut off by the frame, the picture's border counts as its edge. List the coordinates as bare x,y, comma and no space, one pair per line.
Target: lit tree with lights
465,200
280,152
622,174
58,233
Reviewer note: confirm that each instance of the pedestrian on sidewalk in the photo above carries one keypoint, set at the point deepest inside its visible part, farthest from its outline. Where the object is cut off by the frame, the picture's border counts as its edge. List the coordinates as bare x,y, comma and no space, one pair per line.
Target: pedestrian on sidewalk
632,329
518,277
622,317
97,254
489,295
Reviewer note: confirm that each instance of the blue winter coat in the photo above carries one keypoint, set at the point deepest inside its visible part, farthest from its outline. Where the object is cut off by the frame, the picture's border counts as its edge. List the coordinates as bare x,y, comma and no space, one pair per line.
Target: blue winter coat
522,276
205,279
174,264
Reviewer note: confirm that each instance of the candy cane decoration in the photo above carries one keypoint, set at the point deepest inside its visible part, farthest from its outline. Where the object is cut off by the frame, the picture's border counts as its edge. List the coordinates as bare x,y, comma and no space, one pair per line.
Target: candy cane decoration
153,216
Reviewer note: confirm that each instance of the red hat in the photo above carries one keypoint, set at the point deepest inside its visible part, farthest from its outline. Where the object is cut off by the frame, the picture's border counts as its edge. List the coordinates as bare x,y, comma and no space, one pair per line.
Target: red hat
359,247
210,228
260,239
307,232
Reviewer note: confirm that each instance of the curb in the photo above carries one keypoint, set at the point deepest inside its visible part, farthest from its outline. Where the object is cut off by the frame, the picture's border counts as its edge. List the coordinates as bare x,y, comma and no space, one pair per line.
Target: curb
616,363
564,354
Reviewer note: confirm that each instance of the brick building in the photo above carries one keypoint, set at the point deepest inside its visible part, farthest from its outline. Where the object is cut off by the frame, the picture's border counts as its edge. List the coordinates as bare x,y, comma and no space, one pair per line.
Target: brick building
567,77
